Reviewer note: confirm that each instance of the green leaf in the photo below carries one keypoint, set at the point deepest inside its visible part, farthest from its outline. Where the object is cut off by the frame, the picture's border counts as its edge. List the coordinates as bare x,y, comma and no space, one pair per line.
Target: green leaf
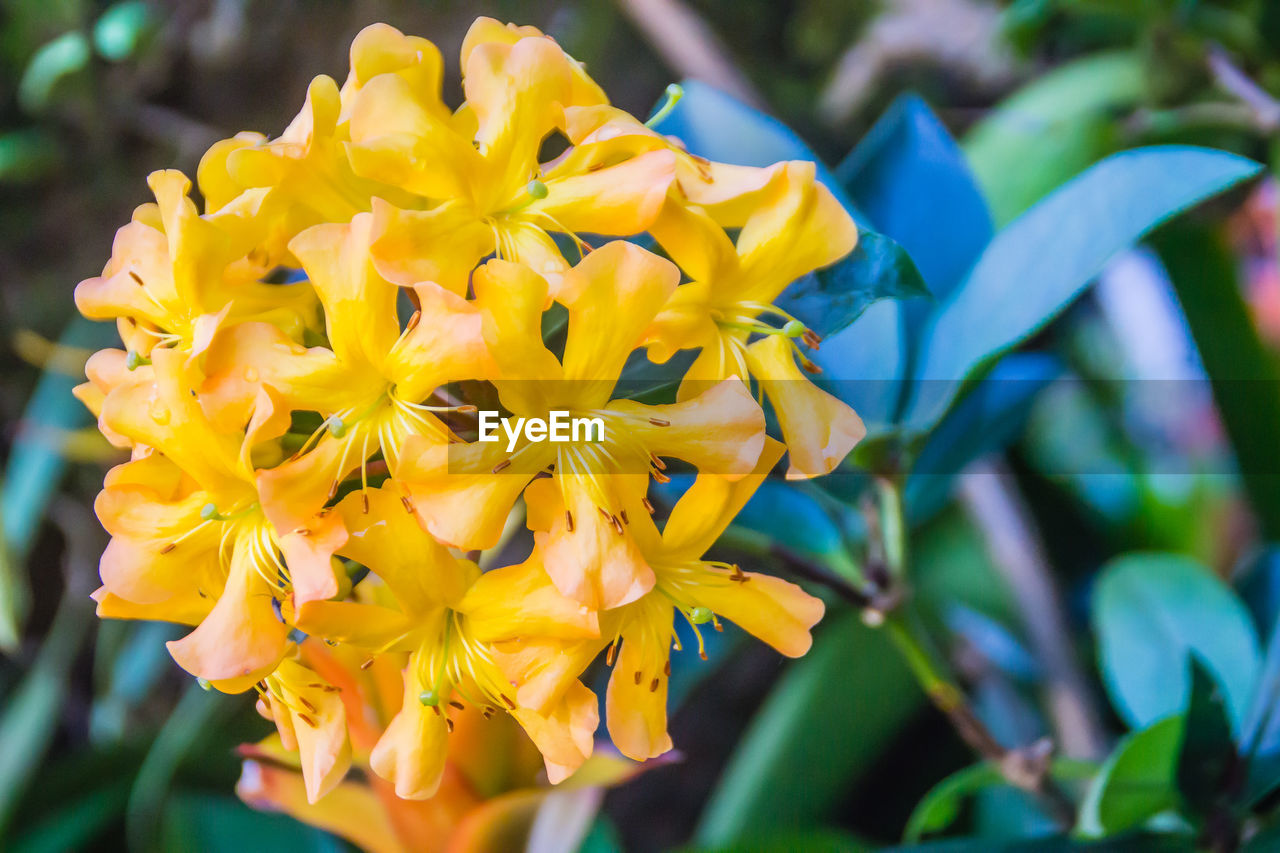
831,298
941,806
1207,753
1051,129
813,841
1035,267
827,718
121,29
1137,781
27,156
1242,369
76,825
56,60
209,823
1150,611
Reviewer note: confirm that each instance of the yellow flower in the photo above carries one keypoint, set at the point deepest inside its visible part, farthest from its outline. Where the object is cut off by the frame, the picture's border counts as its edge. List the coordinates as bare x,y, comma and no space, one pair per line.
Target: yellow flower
371,383
464,493
478,173
447,665
542,659
175,277
797,227
190,542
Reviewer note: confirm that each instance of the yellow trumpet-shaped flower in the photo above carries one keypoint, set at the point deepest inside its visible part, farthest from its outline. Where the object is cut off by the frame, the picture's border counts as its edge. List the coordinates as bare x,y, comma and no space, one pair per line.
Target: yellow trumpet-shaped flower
371,383
190,542
797,227
542,660
447,664
175,277
463,493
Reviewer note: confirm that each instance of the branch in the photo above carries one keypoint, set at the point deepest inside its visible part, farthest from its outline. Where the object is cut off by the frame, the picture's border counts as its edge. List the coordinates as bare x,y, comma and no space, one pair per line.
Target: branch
1233,81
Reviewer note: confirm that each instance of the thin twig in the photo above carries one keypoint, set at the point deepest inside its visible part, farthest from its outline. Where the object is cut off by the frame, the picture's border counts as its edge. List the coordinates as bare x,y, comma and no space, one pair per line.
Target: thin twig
1235,82
988,495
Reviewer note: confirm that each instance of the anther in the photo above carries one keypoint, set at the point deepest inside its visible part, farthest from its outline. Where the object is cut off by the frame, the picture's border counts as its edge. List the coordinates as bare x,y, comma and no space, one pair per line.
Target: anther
501,466
657,462
666,669
407,503
812,339
368,663
308,705
467,409
653,685
809,367
167,548
453,703
611,654
648,505
568,521
364,499
623,514
659,422
639,677
413,321
137,278
507,701
302,531
448,724
660,477
617,525
310,722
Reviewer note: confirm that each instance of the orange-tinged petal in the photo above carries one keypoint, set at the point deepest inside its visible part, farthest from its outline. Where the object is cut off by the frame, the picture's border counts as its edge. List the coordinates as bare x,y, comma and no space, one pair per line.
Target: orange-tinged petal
595,563
442,245
350,810
421,572
186,609
369,627
769,608
711,503
498,825
583,89
511,299
543,670
565,735
241,640
800,228
636,701
617,200
695,242
411,753
398,139
819,429
445,346
381,49
521,600
720,431
308,552
601,337
359,305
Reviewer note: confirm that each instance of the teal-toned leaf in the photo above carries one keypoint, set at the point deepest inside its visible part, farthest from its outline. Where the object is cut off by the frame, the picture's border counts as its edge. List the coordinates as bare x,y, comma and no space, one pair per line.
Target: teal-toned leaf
789,515
831,298
74,827
941,806
1207,752
984,421
1242,368
1037,265
1260,737
827,718
1150,611
1051,129
53,62
27,155
908,157
121,29
1137,781
813,841
864,364
1133,843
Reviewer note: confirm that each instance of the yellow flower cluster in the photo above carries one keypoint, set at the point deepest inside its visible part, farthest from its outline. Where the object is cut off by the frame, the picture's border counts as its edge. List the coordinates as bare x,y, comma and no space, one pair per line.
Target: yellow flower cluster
303,359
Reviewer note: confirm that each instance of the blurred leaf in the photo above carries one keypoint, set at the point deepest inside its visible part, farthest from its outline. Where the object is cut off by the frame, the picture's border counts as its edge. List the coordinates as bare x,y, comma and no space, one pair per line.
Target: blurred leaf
817,841
35,468
192,719
1207,752
787,513
210,823
905,159
826,719
56,60
1051,129
32,711
1242,371
121,29
1150,611
833,297
1057,844
1059,246
1258,583
27,156
985,420
1260,737
72,827
863,364
941,806
1138,780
